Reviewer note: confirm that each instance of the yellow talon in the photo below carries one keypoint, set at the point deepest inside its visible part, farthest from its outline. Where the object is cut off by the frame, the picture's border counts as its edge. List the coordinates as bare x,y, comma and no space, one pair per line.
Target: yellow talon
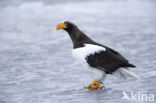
87,87
94,85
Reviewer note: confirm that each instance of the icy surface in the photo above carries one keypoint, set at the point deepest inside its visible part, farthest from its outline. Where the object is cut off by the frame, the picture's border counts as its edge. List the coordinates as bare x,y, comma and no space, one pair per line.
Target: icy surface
36,65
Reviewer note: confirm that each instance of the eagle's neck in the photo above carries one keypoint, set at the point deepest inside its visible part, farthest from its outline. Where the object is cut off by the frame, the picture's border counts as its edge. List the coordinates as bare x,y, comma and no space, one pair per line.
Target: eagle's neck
78,37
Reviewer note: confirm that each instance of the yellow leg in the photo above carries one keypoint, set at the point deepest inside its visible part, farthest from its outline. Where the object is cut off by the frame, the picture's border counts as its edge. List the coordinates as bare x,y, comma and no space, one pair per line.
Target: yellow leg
94,85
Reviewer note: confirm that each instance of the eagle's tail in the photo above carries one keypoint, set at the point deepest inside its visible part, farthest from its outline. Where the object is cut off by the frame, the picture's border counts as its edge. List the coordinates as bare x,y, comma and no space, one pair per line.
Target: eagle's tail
124,73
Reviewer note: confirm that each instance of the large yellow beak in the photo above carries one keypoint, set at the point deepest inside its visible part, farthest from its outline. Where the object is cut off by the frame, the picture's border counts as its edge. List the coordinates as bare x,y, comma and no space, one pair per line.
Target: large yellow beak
60,26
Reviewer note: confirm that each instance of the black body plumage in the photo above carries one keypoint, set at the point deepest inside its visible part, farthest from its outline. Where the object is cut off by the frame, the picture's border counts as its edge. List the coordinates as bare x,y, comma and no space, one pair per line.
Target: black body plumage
108,60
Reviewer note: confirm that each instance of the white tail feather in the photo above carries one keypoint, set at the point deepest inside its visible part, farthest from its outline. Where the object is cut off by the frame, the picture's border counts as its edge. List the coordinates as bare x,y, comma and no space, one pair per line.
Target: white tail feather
124,73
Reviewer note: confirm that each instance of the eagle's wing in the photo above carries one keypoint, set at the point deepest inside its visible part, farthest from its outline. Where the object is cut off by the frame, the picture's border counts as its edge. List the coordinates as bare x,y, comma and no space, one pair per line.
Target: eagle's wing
108,60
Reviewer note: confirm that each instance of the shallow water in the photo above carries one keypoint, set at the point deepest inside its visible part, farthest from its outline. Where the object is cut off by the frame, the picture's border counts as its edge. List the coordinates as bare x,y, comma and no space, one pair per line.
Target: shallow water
36,65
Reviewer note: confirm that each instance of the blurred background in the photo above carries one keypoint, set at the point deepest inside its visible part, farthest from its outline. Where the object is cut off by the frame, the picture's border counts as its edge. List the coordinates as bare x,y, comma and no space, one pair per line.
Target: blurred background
36,65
